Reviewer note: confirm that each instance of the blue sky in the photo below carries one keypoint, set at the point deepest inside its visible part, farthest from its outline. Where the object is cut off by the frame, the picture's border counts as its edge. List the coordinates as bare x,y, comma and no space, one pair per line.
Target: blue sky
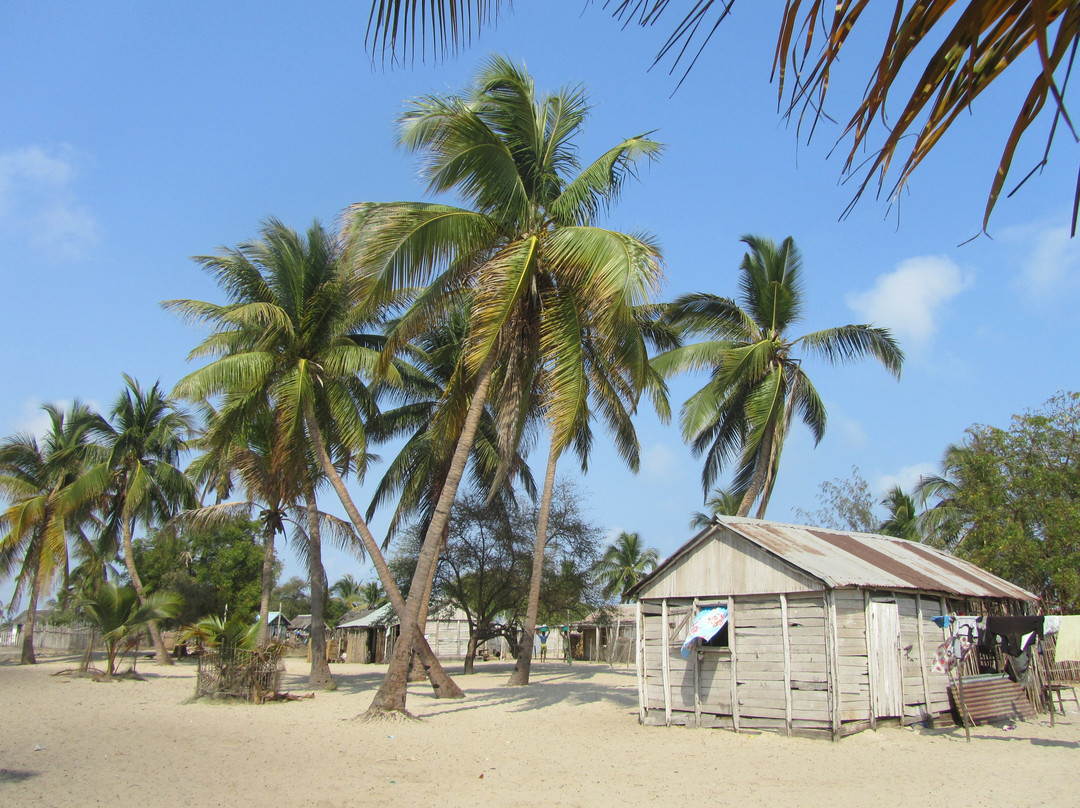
135,136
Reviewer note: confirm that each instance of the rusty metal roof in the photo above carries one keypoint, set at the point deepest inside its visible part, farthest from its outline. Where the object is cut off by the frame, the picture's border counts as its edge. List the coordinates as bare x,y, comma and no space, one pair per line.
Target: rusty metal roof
844,559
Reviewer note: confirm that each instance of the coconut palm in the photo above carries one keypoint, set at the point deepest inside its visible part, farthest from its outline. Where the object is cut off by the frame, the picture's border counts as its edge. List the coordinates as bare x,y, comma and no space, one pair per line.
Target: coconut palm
372,595
348,590
292,340
723,502
903,521
526,256
960,54
625,562
145,437
756,381
45,513
119,612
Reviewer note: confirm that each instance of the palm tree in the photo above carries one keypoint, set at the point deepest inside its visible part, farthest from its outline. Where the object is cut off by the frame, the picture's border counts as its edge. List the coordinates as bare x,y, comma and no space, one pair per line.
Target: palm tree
348,590
965,51
944,524
118,612
372,595
903,521
756,383
625,562
541,281
145,438
291,340
723,502
45,512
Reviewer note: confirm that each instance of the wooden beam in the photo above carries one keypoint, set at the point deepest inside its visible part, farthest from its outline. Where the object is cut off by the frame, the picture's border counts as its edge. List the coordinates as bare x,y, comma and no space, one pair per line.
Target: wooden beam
869,665
697,674
639,660
833,667
922,661
665,662
787,663
734,663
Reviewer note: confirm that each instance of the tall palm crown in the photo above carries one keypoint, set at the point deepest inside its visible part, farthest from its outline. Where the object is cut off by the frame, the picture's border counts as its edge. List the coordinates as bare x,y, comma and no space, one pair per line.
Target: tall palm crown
756,382
45,512
289,337
540,276
624,563
903,520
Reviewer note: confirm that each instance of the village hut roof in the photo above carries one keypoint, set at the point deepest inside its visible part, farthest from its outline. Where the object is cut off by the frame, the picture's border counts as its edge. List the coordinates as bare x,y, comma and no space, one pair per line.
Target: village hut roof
610,615
272,617
373,618
41,615
841,558
301,621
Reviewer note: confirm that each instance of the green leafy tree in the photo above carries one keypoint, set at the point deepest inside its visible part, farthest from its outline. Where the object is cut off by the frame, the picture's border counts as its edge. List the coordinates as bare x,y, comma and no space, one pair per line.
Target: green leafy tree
372,595
119,613
544,284
723,502
1018,493
292,597
756,381
216,570
958,52
625,562
46,512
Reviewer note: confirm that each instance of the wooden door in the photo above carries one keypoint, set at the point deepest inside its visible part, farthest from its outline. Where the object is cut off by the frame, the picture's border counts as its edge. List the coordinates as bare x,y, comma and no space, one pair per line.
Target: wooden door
886,673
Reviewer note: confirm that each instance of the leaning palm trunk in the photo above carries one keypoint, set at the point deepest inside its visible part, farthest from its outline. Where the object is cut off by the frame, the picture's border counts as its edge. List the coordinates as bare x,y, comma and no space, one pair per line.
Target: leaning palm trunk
320,666
757,481
443,685
520,674
417,672
160,654
267,585
394,689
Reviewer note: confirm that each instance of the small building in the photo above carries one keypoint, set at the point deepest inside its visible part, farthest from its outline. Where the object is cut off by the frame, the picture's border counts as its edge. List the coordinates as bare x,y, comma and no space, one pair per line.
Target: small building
828,632
607,635
368,636
278,625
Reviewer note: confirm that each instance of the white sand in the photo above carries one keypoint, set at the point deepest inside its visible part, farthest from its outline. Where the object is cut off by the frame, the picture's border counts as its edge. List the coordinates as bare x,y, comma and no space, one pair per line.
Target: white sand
570,739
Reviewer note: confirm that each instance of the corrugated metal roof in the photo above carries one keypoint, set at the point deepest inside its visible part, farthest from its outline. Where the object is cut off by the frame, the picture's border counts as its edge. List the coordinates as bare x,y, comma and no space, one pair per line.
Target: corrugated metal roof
842,559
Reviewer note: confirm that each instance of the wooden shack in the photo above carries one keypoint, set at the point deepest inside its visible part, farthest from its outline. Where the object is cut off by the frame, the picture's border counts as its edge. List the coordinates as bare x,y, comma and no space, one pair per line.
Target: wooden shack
828,632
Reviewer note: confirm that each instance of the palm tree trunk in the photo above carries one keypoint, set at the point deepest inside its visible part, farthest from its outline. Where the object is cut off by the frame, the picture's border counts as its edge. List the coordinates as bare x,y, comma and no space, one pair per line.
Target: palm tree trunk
392,693
757,481
520,675
443,685
28,657
127,527
416,667
319,678
267,585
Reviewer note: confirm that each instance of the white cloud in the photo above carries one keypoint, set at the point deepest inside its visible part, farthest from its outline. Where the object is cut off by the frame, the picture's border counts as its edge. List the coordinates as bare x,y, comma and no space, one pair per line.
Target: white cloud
657,460
907,478
1052,262
38,204
909,300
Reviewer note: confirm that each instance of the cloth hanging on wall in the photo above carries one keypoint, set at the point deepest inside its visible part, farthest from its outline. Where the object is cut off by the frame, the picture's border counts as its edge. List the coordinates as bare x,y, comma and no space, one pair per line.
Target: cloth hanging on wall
952,652
1068,639
706,626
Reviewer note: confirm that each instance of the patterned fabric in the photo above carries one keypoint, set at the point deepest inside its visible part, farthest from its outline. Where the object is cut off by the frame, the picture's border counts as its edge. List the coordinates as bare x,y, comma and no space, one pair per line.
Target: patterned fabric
708,623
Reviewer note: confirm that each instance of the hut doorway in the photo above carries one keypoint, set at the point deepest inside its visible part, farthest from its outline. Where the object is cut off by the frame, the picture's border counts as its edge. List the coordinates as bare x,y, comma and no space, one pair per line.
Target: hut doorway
883,645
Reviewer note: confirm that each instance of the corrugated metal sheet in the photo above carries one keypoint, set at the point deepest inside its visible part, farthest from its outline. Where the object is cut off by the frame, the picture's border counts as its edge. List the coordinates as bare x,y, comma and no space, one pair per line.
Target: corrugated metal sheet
843,559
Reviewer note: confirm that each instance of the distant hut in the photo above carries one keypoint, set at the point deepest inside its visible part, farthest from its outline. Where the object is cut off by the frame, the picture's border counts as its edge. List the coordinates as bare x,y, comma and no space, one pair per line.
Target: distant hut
368,637
828,632
608,635
278,625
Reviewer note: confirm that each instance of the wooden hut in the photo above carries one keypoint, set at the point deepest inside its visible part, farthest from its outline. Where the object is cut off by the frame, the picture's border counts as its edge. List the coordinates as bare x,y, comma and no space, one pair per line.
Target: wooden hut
607,635
828,632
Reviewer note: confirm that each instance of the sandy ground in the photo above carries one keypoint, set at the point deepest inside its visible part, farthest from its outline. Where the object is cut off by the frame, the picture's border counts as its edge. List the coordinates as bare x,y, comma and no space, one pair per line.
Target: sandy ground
570,739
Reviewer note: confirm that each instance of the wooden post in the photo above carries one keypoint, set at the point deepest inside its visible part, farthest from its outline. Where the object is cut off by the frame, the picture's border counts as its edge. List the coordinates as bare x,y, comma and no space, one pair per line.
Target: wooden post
639,661
734,663
869,655
833,666
697,673
665,662
922,660
787,662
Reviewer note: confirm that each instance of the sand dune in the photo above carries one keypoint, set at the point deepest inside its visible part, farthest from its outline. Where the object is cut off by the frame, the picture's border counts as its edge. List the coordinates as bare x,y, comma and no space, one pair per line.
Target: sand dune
570,739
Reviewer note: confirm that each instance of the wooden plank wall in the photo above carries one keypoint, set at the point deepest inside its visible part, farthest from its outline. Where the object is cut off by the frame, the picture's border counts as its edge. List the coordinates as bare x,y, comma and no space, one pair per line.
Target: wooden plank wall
854,672
781,691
